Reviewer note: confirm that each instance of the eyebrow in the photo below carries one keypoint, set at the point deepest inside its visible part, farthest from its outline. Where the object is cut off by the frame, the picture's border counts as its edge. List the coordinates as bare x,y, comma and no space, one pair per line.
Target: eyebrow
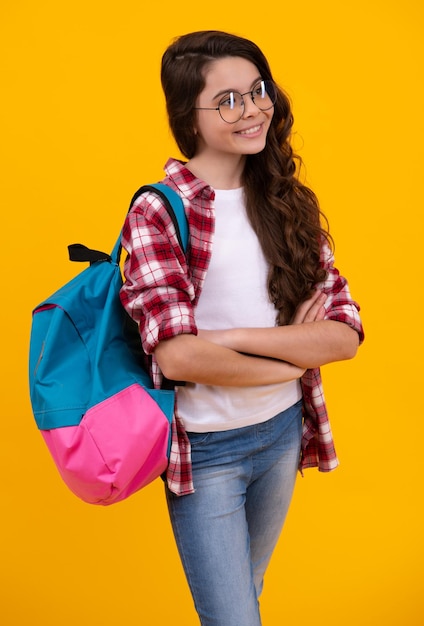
225,91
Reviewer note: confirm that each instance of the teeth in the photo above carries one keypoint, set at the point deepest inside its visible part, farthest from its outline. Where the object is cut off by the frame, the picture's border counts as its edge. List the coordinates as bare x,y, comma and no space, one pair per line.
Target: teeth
250,131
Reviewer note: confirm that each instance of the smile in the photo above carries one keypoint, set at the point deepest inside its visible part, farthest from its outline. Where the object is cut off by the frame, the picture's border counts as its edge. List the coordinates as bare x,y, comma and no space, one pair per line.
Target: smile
250,131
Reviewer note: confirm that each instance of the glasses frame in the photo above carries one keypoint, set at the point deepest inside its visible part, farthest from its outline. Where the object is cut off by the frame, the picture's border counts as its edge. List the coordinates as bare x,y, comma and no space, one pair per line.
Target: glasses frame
251,93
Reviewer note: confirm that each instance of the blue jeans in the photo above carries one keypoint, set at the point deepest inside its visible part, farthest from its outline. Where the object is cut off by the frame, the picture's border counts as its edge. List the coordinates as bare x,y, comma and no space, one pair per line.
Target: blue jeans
227,529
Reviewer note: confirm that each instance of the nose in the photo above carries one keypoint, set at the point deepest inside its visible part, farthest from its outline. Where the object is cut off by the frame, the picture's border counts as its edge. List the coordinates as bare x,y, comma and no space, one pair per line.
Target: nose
250,109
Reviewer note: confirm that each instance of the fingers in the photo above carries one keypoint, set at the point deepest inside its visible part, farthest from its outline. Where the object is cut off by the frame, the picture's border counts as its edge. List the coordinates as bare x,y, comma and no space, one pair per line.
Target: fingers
312,310
315,311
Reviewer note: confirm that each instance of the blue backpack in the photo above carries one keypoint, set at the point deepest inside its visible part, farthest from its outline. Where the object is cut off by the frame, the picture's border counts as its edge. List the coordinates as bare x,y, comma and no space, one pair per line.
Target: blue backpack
107,428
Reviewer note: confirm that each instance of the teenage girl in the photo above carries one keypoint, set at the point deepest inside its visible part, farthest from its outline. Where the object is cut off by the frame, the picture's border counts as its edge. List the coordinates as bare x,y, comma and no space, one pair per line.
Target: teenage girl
246,320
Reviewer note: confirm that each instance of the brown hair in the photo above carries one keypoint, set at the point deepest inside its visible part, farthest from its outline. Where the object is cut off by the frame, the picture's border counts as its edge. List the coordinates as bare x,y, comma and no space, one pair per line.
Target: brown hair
284,213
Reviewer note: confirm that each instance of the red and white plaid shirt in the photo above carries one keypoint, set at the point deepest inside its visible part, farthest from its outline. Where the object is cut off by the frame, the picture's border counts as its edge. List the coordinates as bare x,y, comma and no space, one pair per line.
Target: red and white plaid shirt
162,287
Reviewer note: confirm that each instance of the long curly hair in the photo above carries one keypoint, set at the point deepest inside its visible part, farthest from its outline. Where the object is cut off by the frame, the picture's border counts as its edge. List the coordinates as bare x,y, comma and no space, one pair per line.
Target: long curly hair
283,212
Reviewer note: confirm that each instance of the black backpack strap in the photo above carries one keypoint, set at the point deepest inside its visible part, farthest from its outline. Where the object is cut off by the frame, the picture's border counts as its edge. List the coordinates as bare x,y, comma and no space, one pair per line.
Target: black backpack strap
174,207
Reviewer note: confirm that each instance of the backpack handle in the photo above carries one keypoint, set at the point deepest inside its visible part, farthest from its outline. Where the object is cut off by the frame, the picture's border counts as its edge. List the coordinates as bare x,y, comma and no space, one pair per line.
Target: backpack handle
173,204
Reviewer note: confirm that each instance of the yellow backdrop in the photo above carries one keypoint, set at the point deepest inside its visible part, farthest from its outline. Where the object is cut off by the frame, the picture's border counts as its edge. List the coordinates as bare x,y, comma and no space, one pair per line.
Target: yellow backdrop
83,125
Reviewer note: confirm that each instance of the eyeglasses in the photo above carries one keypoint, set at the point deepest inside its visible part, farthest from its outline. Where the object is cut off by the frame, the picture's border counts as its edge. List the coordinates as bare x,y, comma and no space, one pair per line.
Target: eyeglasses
231,107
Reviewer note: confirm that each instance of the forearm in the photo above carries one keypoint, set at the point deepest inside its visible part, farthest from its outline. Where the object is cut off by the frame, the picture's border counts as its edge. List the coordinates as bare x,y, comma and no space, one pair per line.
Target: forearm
193,359
305,345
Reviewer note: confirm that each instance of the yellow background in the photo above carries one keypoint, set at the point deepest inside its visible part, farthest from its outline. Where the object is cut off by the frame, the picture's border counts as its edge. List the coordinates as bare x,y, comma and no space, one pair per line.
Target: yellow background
82,126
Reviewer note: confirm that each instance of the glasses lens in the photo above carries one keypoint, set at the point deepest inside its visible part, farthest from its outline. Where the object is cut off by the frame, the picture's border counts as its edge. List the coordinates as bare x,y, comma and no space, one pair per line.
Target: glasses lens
231,107
264,94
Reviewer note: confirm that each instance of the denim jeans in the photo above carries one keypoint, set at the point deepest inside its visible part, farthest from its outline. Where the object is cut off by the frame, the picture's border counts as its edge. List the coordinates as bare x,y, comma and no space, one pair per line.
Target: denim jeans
227,529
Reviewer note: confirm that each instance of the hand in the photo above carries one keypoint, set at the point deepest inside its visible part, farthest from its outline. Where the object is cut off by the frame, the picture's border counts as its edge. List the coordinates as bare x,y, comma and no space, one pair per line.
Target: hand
312,310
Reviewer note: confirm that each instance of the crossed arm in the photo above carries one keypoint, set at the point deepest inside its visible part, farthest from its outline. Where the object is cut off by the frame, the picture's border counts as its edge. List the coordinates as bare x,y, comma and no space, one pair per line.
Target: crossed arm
259,356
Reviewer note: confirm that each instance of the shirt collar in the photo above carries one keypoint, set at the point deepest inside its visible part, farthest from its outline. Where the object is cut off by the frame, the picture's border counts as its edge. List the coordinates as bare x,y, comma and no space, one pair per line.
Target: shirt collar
186,181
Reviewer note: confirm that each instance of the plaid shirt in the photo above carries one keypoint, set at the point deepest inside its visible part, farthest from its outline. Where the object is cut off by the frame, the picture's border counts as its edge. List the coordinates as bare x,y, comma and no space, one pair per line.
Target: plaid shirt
162,287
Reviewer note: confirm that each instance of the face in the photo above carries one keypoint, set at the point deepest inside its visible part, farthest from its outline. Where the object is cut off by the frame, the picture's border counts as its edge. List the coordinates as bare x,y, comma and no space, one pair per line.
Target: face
217,138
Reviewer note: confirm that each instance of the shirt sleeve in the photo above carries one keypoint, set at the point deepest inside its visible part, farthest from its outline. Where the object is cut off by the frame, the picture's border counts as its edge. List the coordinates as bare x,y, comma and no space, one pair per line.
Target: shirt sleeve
157,291
339,306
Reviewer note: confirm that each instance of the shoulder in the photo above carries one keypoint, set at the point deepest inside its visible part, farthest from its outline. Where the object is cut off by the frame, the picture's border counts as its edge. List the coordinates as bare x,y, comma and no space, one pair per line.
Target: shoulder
148,208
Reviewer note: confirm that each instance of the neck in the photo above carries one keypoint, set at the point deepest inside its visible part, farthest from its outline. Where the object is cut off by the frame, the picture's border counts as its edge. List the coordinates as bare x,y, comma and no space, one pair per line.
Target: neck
219,173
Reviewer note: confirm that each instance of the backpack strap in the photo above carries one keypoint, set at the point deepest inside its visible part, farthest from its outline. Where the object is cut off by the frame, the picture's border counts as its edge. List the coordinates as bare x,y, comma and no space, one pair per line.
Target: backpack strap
175,208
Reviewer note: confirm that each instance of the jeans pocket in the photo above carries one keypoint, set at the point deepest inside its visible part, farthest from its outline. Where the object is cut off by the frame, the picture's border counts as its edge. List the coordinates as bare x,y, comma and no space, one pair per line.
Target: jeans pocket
197,439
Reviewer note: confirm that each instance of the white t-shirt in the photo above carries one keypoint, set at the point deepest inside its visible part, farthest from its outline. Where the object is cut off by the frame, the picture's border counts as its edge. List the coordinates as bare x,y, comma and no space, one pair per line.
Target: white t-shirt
234,295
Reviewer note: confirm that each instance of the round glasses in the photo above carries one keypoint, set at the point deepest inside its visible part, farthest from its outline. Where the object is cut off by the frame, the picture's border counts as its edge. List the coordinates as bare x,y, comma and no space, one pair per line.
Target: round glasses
231,106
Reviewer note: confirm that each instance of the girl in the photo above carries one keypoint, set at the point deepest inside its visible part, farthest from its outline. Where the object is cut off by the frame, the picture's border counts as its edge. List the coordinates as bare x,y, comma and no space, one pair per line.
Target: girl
246,320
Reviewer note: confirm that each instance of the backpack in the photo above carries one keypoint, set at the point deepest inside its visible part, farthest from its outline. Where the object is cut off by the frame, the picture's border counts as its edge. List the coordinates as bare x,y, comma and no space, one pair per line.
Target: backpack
106,427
